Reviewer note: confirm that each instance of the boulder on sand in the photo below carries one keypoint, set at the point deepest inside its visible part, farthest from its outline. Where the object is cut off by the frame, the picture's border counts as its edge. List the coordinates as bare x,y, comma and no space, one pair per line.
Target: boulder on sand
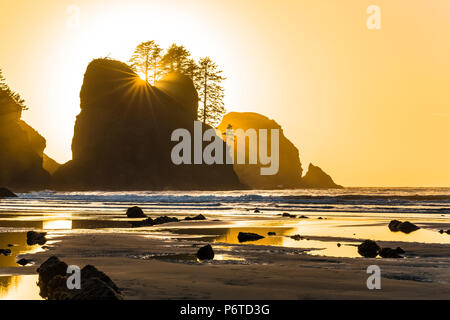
391,253
205,253
405,227
36,238
368,249
23,262
248,236
199,217
95,285
135,212
51,268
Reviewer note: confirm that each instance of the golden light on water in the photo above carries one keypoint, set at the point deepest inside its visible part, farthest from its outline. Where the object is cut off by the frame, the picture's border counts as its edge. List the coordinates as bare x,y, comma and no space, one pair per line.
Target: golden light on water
57,225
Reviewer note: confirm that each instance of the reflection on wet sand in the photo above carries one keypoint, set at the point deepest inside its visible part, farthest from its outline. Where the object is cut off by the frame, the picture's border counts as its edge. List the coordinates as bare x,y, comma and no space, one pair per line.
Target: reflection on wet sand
57,225
19,288
347,232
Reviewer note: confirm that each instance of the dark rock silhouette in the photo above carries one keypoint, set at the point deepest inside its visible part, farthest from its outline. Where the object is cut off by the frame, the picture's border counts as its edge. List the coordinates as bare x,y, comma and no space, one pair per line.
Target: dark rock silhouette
391,253
95,285
288,215
369,249
317,178
248,236
290,168
5,193
198,217
135,212
149,222
5,252
21,150
122,136
405,227
36,238
205,253
296,237
51,268
23,262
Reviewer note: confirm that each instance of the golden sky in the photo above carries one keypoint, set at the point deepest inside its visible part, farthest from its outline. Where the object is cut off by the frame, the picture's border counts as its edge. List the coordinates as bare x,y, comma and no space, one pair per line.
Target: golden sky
371,107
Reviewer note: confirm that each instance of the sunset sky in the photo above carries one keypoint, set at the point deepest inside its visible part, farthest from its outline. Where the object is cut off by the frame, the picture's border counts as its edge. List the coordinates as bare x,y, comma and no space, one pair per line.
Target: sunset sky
371,107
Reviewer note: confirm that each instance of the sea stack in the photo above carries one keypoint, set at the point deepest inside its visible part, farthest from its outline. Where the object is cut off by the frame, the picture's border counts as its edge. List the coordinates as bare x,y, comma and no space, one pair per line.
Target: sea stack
122,136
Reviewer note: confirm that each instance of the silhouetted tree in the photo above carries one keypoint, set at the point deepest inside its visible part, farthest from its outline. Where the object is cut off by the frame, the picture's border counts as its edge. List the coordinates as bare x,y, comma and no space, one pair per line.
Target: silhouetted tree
177,59
147,58
208,82
6,92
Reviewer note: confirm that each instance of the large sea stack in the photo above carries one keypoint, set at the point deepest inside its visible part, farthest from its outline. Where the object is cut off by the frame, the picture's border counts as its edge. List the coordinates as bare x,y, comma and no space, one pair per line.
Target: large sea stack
21,150
122,137
290,170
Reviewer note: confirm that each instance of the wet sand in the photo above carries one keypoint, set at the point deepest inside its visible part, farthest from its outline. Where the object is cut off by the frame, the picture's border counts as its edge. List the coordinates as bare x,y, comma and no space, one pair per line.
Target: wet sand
162,264
159,262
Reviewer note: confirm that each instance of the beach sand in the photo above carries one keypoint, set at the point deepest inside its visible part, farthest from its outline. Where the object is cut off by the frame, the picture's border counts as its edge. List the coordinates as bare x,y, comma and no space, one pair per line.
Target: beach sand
159,262
145,267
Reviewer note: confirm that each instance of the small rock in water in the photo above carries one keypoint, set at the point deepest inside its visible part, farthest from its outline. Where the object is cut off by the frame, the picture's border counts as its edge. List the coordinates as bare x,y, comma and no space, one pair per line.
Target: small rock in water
199,217
36,238
271,233
135,212
320,218
248,236
368,249
205,253
5,252
391,253
441,231
303,217
23,262
405,227
257,211
296,237
448,231
10,245
338,244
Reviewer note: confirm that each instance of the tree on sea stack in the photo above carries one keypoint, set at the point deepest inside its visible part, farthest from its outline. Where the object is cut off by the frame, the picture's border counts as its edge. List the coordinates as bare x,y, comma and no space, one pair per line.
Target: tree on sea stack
177,59
208,82
7,94
147,59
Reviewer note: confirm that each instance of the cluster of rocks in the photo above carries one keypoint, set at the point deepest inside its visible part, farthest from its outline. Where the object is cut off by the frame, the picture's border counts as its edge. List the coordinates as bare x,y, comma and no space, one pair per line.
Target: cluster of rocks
442,231
296,237
36,238
405,227
287,215
370,249
149,222
136,212
95,285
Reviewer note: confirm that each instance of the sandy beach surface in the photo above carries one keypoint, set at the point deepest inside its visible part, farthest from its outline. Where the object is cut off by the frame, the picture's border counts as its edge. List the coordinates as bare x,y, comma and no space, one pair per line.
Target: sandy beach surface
160,262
